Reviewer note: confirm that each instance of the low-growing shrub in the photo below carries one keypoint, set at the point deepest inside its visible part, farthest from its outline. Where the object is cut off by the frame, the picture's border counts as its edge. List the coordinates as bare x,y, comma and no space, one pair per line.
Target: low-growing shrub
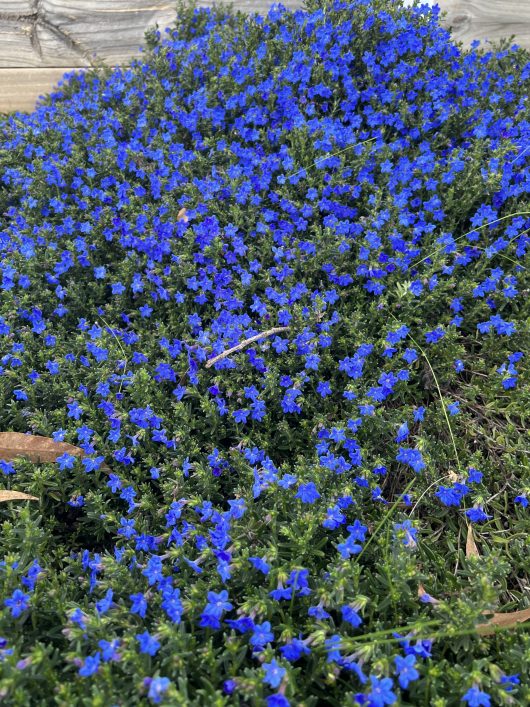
336,512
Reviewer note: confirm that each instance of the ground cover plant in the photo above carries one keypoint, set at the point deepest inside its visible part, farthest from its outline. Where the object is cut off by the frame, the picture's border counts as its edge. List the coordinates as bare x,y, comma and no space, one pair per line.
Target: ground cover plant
336,512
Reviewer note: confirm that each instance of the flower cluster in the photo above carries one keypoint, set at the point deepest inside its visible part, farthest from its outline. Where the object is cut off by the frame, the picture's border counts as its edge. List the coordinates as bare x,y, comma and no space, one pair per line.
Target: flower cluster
272,279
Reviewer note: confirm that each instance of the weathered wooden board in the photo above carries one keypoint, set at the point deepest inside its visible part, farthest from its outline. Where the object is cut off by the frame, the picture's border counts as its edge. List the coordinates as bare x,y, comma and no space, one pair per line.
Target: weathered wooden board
66,33
70,32
42,39
488,20
20,88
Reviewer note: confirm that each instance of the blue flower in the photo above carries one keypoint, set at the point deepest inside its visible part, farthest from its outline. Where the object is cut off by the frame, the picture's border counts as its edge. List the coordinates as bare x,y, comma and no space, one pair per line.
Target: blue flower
307,493
103,605
153,570
217,604
402,433
65,461
408,531
324,388
351,616
405,668
411,457
241,415
294,650
453,408
476,698
148,643
410,355
474,476
90,666
477,515
508,681
157,688
7,468
277,700
381,692
453,495
74,410
274,673
17,603
419,414
288,401
260,564
109,650
261,635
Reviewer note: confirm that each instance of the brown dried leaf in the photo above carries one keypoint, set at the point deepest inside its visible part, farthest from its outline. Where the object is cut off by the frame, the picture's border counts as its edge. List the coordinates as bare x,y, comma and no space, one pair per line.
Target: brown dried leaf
15,496
36,448
182,215
508,620
452,476
471,546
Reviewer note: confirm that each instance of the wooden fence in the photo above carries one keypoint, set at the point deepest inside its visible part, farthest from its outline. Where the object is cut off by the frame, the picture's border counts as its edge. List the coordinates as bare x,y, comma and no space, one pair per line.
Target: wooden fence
42,39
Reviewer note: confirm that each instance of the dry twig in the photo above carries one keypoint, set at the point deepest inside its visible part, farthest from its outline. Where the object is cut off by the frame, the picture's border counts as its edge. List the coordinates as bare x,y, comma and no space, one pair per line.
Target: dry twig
246,342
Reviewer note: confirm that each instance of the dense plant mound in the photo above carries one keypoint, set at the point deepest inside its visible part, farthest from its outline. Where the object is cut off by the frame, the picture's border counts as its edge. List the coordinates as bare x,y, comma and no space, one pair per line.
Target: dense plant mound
287,525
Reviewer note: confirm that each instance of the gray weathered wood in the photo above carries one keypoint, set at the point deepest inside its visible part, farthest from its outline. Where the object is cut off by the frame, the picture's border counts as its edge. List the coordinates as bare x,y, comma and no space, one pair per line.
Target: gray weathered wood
20,88
70,32
488,20
38,33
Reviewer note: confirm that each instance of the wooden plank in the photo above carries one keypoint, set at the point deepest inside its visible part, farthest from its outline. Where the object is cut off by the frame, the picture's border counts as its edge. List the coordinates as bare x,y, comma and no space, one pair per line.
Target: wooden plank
71,32
20,88
17,7
64,33
488,20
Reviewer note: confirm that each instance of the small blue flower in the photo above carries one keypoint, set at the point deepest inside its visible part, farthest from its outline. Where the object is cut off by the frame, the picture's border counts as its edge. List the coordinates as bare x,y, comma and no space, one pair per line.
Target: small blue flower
402,433
229,686
7,468
148,643
419,414
274,673
277,700
157,688
477,515
381,692
240,416
411,457
522,500
453,408
260,564
90,666
17,603
65,461
476,698
307,493
261,635
351,616
103,605
405,668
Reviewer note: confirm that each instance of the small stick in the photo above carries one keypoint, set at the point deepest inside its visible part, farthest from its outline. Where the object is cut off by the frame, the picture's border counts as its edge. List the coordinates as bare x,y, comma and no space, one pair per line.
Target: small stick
246,342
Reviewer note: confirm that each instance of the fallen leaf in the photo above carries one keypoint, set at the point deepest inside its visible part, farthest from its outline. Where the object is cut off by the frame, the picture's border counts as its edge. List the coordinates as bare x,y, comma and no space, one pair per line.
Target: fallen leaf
471,546
36,448
452,476
15,496
508,620
182,215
